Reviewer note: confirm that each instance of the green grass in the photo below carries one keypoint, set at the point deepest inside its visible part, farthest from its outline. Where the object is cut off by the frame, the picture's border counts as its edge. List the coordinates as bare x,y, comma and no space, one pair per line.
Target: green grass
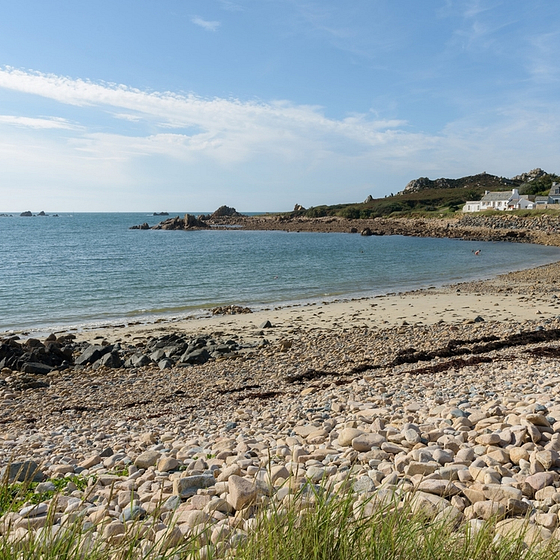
312,525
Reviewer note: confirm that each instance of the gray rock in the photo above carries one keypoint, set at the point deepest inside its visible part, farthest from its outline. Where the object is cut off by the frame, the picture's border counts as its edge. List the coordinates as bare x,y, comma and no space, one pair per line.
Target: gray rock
189,485
197,356
363,484
91,354
26,471
132,512
165,364
36,367
147,459
110,360
138,360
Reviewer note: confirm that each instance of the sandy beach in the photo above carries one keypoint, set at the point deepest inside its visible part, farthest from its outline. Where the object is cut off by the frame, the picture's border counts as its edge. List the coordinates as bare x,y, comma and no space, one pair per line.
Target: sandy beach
518,296
449,392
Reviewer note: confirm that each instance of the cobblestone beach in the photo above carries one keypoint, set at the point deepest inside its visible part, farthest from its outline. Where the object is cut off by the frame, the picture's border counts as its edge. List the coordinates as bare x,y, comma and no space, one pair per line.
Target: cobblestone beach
456,408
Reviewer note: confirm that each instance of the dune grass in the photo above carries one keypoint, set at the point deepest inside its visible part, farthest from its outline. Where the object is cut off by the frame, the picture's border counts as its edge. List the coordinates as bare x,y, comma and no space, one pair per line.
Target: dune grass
311,525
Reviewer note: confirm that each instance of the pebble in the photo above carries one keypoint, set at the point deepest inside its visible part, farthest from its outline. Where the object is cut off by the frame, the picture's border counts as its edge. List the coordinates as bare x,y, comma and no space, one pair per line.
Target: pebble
205,447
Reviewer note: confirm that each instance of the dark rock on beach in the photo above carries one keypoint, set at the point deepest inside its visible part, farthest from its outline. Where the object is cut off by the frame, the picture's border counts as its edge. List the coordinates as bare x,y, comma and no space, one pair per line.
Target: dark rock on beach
26,471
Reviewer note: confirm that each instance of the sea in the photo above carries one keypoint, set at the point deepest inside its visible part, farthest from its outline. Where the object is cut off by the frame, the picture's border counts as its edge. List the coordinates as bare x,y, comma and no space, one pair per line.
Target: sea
72,271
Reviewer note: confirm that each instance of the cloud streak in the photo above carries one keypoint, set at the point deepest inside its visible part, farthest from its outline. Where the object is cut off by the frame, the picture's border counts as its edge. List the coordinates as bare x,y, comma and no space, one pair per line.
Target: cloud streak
125,138
36,123
205,24
230,128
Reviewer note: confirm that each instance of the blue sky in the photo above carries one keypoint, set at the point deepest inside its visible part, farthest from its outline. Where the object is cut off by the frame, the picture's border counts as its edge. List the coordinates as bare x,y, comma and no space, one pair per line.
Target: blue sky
261,104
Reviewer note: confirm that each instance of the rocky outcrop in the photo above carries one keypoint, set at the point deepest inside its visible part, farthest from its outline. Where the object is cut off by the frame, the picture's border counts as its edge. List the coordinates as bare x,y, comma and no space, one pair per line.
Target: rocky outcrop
38,359
225,212
26,214
531,176
489,182
186,223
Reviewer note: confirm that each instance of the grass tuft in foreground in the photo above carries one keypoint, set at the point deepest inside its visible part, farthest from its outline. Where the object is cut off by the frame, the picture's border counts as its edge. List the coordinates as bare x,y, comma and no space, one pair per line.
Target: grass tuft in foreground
310,525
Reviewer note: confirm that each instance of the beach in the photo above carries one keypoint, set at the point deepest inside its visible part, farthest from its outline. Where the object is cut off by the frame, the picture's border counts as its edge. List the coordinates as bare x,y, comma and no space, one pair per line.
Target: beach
450,391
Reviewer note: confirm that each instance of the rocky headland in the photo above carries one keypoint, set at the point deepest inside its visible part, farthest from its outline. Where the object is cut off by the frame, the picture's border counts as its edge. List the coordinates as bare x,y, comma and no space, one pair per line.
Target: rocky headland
540,229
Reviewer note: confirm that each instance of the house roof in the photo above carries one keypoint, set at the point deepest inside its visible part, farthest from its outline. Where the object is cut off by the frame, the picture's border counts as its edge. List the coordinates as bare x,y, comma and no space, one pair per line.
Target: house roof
495,196
541,198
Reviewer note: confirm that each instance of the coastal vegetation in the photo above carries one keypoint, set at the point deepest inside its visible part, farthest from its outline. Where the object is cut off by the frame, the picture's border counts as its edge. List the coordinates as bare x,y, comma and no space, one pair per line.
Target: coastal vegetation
432,198
316,524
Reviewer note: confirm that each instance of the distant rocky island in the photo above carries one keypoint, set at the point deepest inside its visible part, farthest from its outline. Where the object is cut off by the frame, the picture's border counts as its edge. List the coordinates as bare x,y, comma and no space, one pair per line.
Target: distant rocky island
189,222
29,214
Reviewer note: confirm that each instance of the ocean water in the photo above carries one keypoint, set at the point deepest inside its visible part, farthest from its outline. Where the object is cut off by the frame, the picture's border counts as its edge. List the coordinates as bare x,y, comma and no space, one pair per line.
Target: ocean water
85,269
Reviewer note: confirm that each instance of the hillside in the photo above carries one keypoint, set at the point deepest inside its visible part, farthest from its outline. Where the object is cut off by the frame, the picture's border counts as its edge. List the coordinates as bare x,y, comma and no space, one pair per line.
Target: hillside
426,196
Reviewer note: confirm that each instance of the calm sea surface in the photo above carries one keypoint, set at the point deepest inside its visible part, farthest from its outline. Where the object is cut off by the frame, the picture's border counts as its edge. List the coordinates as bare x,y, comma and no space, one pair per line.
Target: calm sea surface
91,269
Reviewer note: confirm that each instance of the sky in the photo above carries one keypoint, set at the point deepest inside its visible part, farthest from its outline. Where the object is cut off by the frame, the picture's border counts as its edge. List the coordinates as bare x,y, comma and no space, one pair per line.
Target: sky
168,105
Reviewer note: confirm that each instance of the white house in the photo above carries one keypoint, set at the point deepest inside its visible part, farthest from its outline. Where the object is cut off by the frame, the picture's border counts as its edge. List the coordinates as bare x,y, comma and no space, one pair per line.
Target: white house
503,200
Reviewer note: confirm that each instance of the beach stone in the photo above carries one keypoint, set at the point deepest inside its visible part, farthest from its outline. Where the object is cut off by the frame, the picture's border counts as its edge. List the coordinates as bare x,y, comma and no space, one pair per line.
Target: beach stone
450,515
501,492
114,529
513,528
365,442
451,472
412,436
538,420
34,510
465,455
438,487
363,484
169,537
147,459
541,480
91,354
315,473
304,431
228,471
90,461
132,512
488,439
517,454
533,433
547,458
442,456
189,485
546,520
167,464
45,487
241,492
488,509
516,507
428,505
346,436
191,518
416,467
26,471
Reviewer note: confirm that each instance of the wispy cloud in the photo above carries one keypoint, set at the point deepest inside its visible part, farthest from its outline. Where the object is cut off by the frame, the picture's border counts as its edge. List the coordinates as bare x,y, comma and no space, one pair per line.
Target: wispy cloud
231,6
217,123
228,141
37,123
205,24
